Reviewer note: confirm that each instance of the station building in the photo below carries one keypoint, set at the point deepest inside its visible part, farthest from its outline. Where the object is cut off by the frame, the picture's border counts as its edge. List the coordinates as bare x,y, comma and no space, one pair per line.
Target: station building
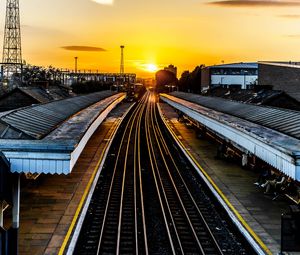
242,75
283,76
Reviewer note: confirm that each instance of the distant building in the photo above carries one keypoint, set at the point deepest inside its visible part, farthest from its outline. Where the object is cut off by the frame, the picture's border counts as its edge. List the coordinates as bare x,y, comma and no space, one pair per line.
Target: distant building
242,75
283,76
172,69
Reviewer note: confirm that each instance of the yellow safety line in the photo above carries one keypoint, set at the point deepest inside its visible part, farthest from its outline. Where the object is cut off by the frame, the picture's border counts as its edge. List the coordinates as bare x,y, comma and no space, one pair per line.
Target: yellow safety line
87,189
240,217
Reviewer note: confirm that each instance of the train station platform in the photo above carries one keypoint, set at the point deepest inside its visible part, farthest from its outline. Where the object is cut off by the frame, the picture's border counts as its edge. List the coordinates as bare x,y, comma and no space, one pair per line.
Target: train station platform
268,133
261,214
48,138
51,203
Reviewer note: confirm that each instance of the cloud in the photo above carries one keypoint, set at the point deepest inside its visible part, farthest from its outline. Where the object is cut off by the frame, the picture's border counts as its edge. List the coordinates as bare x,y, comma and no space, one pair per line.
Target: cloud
255,3
39,30
105,2
82,48
289,16
293,36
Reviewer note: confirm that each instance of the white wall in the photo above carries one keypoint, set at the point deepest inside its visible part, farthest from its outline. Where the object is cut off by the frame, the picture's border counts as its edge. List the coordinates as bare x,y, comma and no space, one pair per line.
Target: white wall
233,80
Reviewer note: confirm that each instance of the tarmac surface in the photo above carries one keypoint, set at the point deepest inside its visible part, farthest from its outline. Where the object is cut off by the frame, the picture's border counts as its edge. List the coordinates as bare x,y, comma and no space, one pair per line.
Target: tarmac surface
261,213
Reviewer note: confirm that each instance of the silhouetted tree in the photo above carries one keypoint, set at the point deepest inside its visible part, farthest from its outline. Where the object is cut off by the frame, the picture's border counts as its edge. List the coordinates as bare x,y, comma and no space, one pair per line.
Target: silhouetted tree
165,78
191,81
36,74
196,80
184,82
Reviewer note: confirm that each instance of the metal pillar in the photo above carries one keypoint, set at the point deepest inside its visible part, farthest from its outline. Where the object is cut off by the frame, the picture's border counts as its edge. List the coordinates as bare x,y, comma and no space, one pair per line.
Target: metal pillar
16,202
14,231
244,159
2,72
1,213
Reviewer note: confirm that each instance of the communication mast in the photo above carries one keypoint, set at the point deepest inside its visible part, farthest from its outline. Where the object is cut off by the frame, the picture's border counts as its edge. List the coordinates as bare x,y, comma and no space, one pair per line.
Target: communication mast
12,52
122,60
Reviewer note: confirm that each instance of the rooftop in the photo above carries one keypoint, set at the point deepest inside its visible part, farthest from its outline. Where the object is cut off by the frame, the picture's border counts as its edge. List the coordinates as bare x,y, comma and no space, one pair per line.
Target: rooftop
253,65
271,134
260,95
49,138
281,63
35,122
282,120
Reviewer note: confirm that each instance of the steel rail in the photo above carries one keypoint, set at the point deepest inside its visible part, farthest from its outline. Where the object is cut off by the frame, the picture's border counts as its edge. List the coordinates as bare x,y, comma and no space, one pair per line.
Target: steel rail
154,165
113,177
136,117
178,195
164,191
123,181
161,143
138,165
186,186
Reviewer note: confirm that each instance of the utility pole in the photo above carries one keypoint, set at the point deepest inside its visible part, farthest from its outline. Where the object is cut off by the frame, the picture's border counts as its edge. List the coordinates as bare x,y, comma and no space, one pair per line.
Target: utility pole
122,64
76,64
12,52
122,60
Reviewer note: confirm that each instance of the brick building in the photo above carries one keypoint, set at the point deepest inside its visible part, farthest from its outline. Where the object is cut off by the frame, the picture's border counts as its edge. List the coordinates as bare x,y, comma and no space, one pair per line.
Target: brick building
283,76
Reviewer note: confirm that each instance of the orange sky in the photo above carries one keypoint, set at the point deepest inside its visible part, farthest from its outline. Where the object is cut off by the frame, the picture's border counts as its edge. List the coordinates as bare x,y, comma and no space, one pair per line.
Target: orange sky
157,32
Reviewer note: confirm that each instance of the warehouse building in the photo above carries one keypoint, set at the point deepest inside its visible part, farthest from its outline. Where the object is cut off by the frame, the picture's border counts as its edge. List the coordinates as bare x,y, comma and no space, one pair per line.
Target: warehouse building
240,75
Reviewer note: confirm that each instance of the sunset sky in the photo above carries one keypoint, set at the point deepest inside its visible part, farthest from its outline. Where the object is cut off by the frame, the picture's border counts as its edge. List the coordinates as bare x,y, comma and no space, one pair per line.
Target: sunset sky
185,33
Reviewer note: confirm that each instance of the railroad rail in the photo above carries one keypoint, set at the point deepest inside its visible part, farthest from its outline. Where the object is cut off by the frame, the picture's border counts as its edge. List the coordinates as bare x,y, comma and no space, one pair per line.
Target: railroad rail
148,199
189,232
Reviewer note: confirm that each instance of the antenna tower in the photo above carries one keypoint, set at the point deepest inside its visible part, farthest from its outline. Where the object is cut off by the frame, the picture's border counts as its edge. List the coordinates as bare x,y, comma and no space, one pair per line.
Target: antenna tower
12,53
122,59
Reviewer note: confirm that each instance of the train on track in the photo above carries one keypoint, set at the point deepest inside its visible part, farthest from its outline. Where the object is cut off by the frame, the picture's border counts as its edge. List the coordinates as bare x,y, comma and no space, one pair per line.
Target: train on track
134,92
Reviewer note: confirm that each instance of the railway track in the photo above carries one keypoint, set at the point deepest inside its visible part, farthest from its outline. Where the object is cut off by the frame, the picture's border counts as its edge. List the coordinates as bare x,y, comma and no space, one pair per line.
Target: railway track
145,202
189,232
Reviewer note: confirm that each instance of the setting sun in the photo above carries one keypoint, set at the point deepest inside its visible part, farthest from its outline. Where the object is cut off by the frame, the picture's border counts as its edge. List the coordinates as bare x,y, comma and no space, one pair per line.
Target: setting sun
152,68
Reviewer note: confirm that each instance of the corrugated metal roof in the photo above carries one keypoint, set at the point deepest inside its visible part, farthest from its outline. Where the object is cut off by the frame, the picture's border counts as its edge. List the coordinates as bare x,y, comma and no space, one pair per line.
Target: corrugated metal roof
39,120
236,65
37,93
282,120
277,149
58,151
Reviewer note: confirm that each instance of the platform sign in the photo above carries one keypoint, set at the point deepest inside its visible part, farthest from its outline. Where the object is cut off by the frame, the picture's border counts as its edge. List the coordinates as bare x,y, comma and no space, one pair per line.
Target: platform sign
290,230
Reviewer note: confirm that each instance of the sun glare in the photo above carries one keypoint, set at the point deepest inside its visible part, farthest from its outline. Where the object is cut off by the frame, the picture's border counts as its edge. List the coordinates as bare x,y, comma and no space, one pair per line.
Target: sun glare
152,68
